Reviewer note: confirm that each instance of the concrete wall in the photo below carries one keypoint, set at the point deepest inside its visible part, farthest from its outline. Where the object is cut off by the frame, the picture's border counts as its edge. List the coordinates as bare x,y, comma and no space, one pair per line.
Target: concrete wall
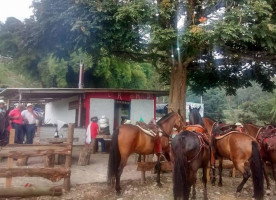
59,110
141,108
100,107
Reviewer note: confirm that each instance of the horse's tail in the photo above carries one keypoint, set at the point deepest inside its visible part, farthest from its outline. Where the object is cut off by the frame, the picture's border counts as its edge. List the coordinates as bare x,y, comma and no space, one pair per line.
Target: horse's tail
257,171
181,187
114,158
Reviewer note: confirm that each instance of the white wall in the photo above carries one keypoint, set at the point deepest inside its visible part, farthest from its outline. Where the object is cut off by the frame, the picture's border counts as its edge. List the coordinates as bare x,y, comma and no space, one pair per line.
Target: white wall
100,107
59,110
141,108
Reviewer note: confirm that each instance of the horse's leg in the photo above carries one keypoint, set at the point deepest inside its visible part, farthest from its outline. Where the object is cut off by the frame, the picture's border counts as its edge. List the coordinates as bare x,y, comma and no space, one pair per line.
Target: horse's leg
273,165
139,158
118,175
246,174
204,180
220,172
214,175
158,168
266,176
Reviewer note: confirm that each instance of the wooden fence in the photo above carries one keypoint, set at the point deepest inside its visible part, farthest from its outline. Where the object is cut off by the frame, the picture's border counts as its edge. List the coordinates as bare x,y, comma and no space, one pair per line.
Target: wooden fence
16,151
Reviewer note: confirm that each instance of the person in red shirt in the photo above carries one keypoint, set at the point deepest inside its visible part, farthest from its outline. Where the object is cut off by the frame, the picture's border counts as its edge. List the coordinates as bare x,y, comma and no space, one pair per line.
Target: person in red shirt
94,130
17,123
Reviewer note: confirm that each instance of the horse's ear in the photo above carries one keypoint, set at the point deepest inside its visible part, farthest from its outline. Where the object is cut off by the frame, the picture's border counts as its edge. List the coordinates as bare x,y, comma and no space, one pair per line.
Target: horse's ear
199,108
190,108
179,112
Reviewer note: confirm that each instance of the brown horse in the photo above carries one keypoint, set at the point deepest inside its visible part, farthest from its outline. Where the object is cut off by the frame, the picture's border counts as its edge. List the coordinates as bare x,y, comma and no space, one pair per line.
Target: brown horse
268,154
189,152
239,148
130,139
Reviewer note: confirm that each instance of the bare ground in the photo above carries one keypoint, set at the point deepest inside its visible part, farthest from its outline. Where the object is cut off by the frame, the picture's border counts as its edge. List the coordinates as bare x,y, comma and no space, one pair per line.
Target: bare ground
89,182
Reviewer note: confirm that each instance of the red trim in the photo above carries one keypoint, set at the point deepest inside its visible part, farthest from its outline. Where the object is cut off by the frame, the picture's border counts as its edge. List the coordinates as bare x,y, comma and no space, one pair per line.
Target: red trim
154,107
87,106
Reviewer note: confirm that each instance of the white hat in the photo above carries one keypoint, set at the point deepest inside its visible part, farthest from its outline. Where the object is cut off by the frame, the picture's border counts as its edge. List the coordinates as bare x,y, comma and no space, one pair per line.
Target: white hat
238,124
2,101
30,104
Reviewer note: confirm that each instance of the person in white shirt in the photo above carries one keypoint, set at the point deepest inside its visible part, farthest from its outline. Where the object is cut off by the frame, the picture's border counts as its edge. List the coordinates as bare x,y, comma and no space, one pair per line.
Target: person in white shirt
2,106
29,117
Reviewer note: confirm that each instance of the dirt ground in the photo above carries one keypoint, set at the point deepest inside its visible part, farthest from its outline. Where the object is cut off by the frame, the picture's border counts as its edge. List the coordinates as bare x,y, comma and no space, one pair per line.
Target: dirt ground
89,182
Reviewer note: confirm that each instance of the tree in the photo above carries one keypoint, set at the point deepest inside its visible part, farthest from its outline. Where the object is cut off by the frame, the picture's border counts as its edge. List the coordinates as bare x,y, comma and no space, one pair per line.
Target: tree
208,43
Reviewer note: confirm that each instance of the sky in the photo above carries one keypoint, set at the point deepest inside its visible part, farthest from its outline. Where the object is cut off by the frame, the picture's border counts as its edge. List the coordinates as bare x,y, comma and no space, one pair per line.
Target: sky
15,8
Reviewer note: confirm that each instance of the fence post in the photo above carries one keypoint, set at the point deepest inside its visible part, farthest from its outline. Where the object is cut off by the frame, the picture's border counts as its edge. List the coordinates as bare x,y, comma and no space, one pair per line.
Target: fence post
10,160
68,159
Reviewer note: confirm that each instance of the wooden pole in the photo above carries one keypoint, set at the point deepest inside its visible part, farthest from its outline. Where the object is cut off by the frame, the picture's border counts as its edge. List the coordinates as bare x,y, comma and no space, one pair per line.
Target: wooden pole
143,172
10,160
30,191
68,160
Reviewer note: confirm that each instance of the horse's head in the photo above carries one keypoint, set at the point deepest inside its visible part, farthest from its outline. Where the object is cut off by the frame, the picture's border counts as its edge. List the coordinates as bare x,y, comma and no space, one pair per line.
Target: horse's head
195,117
170,121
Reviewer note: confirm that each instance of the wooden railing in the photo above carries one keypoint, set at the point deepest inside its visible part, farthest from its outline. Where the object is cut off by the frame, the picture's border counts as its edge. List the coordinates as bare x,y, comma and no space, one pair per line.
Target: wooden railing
15,151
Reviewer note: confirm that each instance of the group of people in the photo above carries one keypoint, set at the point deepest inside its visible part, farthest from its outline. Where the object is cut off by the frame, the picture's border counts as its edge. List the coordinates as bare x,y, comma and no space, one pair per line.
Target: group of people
23,121
95,128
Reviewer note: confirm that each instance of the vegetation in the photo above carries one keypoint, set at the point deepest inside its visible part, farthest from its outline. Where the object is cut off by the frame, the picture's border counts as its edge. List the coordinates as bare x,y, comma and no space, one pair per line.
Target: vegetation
204,44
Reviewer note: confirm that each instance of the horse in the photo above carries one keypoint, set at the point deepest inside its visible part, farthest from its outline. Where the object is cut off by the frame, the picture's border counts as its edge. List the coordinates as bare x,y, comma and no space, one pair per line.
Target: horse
268,154
239,148
189,152
128,139
4,123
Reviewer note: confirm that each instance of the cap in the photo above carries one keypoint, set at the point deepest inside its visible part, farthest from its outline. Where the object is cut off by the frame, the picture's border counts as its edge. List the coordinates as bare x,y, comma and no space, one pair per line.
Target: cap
29,104
2,101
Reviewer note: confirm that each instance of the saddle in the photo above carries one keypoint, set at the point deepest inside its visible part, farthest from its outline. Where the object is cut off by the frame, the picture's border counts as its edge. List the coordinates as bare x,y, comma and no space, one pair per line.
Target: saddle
152,130
267,139
199,131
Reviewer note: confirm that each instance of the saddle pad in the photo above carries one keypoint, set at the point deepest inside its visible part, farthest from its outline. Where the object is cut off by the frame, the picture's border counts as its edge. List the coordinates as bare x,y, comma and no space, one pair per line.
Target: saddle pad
197,128
148,132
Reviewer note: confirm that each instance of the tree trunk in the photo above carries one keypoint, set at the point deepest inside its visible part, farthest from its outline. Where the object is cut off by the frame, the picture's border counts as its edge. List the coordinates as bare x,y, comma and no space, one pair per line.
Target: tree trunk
177,97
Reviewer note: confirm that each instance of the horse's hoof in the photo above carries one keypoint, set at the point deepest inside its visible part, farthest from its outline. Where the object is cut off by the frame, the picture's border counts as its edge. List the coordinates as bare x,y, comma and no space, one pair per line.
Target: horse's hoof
118,193
220,184
159,185
238,194
268,192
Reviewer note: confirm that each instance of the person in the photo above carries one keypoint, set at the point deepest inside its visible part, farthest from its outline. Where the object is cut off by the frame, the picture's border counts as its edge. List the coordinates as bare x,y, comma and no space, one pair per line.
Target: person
17,121
2,106
239,127
29,118
94,131
103,130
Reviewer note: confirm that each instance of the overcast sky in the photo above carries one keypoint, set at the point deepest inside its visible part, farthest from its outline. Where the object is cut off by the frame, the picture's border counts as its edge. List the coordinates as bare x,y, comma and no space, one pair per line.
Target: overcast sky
15,8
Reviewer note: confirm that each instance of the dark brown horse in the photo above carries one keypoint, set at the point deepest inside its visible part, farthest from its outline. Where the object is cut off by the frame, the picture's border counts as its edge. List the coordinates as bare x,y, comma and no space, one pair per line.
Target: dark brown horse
239,148
268,153
130,139
189,152
4,123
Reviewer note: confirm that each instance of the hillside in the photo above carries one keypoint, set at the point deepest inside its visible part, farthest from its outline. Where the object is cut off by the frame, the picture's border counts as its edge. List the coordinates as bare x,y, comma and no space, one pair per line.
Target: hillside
10,78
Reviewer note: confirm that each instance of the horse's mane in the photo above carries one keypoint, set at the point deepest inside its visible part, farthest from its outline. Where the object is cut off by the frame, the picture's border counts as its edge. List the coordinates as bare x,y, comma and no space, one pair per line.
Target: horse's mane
196,116
164,118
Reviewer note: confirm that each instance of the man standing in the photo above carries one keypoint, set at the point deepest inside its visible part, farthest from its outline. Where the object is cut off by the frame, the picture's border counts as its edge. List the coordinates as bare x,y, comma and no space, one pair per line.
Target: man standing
17,121
29,117
2,106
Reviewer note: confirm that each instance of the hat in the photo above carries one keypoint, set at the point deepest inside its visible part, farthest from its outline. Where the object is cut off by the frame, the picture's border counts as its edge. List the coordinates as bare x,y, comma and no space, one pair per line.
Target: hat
2,101
238,124
94,119
30,104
